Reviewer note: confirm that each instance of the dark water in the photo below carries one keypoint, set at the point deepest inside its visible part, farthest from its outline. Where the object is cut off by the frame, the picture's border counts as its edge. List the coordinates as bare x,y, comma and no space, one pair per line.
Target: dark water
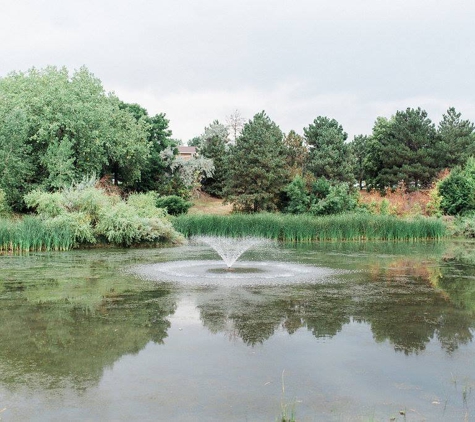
387,333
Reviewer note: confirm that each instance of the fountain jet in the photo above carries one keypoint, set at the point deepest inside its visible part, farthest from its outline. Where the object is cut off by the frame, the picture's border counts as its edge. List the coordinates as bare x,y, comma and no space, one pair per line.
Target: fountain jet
230,249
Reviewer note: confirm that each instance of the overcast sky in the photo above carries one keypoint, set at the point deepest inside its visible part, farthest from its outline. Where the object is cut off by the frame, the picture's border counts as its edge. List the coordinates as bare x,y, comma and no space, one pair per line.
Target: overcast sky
199,60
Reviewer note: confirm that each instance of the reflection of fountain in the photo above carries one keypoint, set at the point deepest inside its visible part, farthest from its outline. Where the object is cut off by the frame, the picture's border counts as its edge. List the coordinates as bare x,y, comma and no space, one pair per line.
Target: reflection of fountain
230,249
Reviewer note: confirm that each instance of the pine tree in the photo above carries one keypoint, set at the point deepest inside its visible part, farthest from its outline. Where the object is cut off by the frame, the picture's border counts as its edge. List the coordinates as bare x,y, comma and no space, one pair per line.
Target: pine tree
257,167
457,139
329,155
403,149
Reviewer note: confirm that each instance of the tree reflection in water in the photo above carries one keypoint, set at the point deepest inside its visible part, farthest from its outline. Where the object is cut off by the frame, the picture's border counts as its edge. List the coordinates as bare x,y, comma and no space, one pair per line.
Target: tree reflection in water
66,318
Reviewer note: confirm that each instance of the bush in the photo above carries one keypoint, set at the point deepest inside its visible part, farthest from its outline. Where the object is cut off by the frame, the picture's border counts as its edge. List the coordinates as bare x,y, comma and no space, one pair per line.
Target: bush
173,204
458,190
338,199
297,196
145,205
122,225
90,214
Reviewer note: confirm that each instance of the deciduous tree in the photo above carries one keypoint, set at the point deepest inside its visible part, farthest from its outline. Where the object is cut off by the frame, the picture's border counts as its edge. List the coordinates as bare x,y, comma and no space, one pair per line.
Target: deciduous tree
214,146
71,127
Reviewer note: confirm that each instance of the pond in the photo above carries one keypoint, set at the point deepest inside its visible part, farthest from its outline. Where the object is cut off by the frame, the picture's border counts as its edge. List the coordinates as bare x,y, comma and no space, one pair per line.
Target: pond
334,331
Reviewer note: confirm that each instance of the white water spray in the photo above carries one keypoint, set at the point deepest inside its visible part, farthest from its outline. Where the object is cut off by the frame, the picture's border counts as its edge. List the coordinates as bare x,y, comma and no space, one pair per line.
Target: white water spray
230,249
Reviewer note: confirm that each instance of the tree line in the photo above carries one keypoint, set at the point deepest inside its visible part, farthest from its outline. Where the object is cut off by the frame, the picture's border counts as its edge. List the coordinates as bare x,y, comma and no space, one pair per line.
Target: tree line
318,171
55,129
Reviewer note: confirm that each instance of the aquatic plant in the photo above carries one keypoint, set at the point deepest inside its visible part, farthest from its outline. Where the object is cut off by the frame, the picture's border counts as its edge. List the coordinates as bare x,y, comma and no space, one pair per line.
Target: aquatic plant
307,228
34,234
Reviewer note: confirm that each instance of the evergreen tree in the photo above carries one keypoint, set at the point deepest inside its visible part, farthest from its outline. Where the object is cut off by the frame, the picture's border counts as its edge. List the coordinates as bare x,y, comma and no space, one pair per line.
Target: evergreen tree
457,139
257,170
403,149
329,155
359,152
297,153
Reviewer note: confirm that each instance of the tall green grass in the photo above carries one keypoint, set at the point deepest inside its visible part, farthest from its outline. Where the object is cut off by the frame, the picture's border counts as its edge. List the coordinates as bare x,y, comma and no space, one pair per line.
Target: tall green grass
305,228
34,234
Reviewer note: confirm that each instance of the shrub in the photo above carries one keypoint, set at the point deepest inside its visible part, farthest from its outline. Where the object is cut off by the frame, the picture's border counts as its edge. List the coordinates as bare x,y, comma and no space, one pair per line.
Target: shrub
145,205
122,225
78,223
45,203
338,199
458,190
89,214
297,196
173,204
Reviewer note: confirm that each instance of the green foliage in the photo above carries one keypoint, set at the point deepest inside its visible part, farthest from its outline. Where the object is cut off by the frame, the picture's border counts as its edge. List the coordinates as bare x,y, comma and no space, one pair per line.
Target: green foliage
145,204
324,199
359,151
296,153
214,146
46,204
457,139
4,207
339,199
56,128
173,204
90,215
16,162
329,155
122,225
156,172
192,171
257,170
306,228
298,198
403,148
320,188
34,234
464,226
458,190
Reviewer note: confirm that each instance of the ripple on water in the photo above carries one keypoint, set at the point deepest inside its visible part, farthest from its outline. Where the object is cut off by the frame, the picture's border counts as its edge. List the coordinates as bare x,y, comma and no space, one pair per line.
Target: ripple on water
245,273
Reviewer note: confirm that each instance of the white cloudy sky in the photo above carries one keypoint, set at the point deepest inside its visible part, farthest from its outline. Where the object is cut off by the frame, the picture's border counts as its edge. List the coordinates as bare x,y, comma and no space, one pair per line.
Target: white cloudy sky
198,60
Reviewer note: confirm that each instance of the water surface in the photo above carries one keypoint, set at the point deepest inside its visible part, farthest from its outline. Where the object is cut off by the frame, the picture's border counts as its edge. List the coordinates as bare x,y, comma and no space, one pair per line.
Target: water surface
373,331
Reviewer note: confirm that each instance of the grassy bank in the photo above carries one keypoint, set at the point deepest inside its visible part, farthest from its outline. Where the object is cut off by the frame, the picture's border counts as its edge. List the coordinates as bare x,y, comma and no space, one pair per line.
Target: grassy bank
304,228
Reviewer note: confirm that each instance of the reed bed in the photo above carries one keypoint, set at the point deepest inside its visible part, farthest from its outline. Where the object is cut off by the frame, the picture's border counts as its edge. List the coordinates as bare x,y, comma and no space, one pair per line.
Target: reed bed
306,228
32,234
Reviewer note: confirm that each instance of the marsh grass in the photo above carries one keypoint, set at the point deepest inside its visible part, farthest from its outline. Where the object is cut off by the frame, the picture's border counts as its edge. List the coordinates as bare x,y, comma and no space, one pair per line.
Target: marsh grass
305,228
33,234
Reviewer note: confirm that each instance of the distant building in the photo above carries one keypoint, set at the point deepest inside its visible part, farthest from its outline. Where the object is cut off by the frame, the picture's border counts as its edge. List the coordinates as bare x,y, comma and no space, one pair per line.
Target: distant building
186,152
